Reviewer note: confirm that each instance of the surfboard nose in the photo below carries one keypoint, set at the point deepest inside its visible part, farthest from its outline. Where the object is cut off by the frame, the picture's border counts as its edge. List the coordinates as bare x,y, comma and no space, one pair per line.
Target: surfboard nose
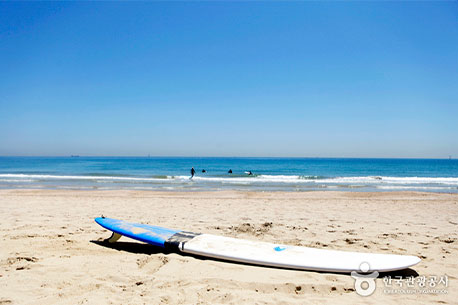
415,260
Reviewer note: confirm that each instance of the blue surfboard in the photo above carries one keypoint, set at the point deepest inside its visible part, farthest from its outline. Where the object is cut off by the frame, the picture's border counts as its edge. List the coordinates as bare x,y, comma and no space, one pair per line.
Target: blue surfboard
149,234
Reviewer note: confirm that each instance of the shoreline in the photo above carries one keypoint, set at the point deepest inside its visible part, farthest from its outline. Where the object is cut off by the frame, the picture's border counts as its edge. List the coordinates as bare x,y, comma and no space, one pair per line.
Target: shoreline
216,191
51,254
167,191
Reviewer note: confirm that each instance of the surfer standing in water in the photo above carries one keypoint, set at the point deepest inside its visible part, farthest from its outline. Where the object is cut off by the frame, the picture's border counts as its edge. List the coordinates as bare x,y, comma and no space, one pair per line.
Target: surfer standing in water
193,171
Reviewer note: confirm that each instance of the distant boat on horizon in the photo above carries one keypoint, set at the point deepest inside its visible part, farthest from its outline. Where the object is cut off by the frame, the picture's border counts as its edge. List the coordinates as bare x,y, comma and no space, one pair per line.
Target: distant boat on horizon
74,156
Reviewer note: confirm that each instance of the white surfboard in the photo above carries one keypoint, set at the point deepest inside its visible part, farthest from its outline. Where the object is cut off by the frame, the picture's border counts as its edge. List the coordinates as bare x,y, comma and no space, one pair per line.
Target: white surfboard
257,252
293,257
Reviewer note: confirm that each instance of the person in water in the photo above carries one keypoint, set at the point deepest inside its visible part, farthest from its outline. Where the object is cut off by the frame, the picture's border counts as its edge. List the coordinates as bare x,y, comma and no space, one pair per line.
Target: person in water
204,171
193,171
230,171
250,173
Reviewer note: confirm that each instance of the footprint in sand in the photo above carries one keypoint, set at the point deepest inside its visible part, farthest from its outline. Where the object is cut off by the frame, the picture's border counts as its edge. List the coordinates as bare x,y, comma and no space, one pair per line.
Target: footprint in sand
20,262
351,241
350,232
152,263
13,260
447,240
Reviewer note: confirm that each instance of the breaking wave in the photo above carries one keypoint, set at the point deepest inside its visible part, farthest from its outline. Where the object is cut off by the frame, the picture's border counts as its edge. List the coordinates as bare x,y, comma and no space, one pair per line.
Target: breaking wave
255,182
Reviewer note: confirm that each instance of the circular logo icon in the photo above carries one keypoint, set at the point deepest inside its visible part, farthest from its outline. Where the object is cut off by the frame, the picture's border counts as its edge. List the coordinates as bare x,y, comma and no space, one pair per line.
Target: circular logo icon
364,277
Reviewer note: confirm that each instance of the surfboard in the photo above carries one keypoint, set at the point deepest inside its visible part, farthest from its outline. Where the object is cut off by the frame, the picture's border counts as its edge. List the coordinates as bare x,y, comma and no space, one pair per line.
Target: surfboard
256,252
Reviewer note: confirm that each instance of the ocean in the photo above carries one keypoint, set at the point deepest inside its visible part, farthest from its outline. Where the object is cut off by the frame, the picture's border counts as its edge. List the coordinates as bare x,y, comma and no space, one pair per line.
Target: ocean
268,174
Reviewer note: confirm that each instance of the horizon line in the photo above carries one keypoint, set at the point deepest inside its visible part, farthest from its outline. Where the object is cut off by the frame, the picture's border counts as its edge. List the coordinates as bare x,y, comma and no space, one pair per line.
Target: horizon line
215,157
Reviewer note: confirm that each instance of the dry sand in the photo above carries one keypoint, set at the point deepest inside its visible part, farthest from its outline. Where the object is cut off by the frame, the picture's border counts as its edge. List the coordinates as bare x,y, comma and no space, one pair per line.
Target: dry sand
50,254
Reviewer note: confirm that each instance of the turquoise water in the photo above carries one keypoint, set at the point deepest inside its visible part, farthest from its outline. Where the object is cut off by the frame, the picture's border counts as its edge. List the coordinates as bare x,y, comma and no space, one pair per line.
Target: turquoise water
285,174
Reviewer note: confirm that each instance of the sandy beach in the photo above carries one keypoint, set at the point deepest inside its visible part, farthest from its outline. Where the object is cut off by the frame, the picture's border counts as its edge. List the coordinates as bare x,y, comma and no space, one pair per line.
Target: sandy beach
51,250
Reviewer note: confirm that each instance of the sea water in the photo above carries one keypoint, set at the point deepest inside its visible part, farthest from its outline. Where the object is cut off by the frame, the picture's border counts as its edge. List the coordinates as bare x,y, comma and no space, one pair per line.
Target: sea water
268,174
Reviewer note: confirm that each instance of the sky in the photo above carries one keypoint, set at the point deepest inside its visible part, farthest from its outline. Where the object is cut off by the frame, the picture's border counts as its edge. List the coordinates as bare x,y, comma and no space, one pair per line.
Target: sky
273,79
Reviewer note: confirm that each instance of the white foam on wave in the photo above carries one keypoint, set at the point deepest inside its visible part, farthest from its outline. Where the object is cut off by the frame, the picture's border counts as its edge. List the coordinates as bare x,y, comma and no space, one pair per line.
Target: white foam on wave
311,181
392,180
252,179
95,178
16,180
399,187
284,178
360,181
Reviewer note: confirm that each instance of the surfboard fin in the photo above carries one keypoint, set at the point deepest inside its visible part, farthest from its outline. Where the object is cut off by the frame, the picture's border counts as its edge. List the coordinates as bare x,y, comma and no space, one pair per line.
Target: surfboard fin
113,238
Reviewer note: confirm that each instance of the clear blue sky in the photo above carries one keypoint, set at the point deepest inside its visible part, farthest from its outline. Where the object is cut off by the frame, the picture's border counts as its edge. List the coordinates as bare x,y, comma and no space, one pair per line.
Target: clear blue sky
358,79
